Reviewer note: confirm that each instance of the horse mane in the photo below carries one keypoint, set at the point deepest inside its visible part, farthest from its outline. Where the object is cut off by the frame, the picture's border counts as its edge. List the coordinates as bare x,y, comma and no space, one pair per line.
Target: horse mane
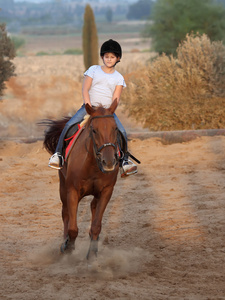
52,133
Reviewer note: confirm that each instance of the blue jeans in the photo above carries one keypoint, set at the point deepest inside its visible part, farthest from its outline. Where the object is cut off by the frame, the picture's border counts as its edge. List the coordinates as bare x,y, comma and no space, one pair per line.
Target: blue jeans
77,118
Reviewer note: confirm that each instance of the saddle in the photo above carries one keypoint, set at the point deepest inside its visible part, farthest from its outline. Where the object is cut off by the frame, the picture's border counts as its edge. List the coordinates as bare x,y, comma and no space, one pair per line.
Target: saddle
72,135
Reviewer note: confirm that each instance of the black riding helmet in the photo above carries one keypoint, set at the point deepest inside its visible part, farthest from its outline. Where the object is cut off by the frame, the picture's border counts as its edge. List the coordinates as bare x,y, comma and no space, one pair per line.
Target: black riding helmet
111,46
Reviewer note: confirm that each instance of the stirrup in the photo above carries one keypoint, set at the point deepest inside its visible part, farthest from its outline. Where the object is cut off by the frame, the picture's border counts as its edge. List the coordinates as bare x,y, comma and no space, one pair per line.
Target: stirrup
128,168
56,161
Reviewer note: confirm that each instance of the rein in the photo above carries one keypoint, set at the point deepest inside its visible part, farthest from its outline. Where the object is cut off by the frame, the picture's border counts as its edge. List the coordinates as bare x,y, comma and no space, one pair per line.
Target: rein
97,150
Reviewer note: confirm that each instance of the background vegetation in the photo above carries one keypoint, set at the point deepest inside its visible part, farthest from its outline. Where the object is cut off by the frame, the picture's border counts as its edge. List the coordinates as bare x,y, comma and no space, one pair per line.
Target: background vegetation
171,20
18,42
187,92
7,53
140,10
184,90
18,15
90,38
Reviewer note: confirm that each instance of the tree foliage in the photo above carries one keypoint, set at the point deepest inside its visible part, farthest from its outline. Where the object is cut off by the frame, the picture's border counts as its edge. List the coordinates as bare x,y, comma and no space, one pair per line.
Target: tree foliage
7,53
90,38
173,19
140,10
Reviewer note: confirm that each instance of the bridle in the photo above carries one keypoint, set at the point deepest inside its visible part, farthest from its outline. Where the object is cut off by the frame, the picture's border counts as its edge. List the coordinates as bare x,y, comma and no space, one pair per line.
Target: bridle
97,151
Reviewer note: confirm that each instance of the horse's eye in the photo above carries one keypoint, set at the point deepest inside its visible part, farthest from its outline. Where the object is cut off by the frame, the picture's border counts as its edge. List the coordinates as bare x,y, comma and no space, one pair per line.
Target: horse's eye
94,131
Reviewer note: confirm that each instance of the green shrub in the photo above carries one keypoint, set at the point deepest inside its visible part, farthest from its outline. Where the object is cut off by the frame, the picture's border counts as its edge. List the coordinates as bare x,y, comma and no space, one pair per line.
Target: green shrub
18,42
73,51
7,53
42,53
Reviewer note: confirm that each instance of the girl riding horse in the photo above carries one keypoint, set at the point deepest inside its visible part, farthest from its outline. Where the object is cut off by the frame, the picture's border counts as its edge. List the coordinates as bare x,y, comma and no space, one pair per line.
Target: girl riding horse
101,85
90,169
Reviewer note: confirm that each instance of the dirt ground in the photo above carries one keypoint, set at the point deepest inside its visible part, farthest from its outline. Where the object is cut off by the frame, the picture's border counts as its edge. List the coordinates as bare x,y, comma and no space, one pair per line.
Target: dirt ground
163,230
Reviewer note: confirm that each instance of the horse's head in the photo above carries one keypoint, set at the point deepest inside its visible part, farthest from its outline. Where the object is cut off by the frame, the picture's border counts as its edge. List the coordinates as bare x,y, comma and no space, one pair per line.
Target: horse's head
103,132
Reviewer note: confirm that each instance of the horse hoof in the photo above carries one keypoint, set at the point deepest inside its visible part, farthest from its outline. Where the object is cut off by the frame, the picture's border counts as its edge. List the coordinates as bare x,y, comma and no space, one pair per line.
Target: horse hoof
93,264
62,248
67,246
92,255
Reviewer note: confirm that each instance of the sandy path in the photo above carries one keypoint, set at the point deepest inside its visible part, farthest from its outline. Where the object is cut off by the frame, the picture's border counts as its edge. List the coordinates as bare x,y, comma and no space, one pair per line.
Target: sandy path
162,237
163,230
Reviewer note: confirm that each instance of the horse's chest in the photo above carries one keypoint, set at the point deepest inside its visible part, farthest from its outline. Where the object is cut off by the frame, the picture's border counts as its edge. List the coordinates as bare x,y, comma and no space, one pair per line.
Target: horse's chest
91,187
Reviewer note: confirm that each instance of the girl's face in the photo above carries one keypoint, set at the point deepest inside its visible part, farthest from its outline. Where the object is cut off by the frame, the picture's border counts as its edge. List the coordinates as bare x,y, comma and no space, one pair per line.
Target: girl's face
110,59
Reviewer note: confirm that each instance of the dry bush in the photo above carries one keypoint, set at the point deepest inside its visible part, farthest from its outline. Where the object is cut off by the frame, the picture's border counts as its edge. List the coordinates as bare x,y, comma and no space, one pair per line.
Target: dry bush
198,53
186,92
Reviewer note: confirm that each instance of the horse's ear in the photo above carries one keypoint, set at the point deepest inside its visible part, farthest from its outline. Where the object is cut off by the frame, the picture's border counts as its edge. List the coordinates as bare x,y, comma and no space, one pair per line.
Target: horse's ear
89,109
113,106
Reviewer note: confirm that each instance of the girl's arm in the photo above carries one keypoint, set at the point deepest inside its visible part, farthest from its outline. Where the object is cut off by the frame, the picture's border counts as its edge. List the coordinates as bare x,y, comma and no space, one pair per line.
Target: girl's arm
117,93
87,82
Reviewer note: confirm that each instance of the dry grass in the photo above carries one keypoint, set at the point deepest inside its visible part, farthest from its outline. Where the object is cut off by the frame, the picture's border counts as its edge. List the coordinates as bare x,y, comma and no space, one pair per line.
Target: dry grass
187,92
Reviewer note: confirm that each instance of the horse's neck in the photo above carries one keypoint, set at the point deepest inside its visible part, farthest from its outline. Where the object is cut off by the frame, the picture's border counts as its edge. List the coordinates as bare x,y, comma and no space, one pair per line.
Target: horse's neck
85,143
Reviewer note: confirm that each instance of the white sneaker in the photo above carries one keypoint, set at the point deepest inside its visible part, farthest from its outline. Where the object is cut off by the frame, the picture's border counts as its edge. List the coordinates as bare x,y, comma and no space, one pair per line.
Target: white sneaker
56,161
128,168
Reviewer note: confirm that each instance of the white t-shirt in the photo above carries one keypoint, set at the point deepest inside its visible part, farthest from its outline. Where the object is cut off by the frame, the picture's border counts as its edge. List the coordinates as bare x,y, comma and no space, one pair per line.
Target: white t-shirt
103,85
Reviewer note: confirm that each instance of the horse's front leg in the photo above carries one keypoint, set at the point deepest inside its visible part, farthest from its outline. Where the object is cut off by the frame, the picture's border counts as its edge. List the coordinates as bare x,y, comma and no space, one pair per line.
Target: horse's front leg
72,207
98,206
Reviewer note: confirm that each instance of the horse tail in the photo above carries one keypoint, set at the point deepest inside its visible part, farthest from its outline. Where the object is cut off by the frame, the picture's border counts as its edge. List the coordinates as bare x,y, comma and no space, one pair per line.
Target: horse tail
52,133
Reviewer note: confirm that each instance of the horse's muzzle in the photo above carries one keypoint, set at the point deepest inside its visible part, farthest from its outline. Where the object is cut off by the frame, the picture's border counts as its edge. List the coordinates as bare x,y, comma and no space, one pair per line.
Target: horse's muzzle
109,166
107,161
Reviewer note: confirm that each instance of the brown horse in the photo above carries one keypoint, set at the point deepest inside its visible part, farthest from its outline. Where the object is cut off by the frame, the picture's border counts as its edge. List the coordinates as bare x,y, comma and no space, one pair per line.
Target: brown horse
91,169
